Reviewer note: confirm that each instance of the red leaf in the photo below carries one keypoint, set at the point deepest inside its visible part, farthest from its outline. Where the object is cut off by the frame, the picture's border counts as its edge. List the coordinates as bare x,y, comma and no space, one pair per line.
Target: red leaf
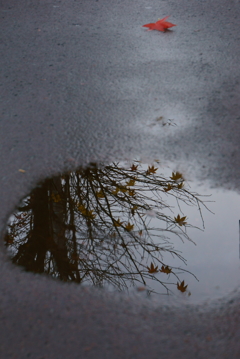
151,26
160,25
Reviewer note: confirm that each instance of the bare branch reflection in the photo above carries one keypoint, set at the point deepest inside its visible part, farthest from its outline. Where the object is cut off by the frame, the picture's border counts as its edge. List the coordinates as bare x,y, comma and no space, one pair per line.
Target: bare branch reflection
94,226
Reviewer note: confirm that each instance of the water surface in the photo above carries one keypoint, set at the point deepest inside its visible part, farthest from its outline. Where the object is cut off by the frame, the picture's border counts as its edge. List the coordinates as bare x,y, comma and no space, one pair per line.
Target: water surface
130,226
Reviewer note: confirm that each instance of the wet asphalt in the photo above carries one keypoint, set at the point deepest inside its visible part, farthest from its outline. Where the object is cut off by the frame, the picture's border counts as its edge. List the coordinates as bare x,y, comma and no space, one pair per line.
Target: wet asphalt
82,81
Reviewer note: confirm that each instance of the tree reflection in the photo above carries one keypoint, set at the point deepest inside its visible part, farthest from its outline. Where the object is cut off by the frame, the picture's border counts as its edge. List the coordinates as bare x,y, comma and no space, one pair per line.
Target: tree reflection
93,226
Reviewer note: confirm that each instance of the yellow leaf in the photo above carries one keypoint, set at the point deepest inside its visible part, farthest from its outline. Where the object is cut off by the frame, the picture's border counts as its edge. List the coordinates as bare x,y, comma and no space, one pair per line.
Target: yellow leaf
182,287
123,189
133,209
82,209
180,185
117,223
176,176
85,212
166,270
134,168
152,269
100,194
129,227
168,188
115,191
90,214
131,182
131,192
151,169
180,220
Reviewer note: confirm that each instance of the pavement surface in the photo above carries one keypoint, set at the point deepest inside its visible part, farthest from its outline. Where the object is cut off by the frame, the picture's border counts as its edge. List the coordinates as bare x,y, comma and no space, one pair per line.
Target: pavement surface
83,81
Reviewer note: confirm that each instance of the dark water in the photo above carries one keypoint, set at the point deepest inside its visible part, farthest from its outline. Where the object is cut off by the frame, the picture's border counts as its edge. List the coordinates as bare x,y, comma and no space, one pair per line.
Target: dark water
129,227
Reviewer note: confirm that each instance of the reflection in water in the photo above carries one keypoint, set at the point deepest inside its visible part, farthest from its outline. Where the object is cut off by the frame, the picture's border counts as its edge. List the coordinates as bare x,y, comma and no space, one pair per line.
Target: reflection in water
94,226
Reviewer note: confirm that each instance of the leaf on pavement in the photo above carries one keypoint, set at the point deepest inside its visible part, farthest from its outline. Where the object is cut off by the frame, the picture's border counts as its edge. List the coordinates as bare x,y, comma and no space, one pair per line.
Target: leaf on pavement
160,25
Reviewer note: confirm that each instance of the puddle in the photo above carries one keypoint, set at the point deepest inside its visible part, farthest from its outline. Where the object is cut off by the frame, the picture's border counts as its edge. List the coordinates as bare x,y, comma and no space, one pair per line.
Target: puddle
130,227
